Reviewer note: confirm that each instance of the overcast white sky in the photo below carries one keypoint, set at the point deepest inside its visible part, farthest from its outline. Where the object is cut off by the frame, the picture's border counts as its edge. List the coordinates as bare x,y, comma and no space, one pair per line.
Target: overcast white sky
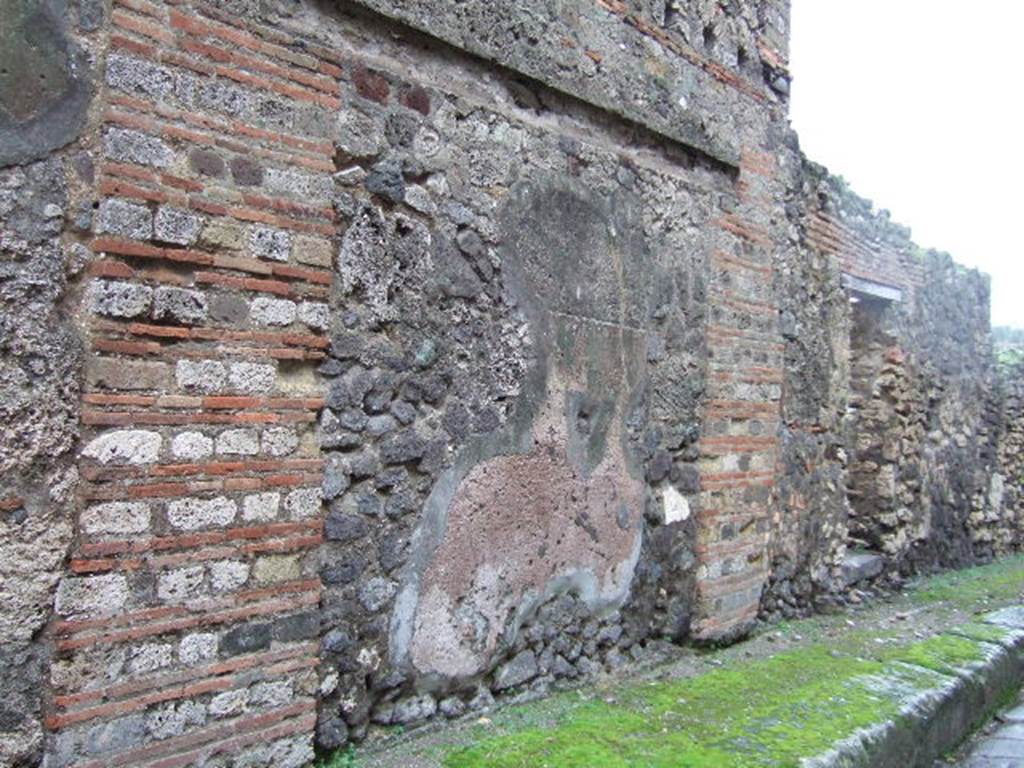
919,104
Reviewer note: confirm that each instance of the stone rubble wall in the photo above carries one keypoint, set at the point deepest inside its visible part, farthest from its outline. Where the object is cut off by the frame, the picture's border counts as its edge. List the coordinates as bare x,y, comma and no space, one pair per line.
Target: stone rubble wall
998,515
893,428
48,66
367,361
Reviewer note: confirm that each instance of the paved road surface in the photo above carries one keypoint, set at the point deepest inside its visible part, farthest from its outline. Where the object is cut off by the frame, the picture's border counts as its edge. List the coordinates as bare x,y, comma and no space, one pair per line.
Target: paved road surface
1002,747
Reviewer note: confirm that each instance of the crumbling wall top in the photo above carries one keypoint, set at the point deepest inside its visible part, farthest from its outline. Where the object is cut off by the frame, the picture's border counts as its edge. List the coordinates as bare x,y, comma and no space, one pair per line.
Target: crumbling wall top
689,73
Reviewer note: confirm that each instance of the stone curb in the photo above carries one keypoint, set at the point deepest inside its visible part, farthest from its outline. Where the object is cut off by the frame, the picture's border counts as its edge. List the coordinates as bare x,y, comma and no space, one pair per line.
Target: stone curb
934,720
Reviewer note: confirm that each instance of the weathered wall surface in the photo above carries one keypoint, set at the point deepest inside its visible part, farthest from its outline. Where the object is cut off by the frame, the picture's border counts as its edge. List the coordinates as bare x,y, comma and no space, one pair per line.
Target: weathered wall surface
186,624
364,361
891,405
808,538
47,79
1006,489
529,373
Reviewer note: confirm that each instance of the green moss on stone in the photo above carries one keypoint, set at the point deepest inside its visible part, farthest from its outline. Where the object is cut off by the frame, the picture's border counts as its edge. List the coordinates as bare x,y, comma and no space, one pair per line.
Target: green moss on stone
943,653
990,633
1001,581
773,712
748,714
765,713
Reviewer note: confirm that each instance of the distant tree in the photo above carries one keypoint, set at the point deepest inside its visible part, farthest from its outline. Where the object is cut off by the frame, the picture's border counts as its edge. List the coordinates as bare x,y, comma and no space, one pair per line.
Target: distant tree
1004,334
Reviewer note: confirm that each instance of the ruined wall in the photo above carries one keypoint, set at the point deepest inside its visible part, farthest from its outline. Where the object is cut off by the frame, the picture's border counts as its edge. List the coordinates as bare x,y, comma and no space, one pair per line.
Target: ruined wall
364,361
890,403
808,540
997,516
387,362
525,347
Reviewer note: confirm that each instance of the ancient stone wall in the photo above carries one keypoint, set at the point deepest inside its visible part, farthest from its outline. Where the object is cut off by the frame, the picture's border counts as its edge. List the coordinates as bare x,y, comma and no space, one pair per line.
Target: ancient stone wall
48,55
365,361
997,516
891,406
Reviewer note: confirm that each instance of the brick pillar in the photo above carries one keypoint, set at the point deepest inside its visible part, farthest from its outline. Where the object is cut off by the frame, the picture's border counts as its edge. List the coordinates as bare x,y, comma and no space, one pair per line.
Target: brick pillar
188,625
739,436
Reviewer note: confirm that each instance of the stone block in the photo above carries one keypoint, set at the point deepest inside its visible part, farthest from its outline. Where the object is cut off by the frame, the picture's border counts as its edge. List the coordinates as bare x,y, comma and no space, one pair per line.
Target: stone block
181,584
304,503
150,657
315,251
174,718
129,146
219,233
314,314
252,378
177,226
300,626
414,709
345,528
520,669
132,375
116,735
279,441
201,376
267,311
377,593
269,243
246,172
245,638
233,310
860,566
229,703
193,514
119,299
238,442
274,568
139,77
179,305
92,596
206,162
271,694
294,183
191,446
261,507
116,518
197,648
125,446
228,575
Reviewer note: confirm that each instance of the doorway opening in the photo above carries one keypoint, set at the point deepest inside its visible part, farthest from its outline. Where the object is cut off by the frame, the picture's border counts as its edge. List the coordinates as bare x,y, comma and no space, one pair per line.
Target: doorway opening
872,429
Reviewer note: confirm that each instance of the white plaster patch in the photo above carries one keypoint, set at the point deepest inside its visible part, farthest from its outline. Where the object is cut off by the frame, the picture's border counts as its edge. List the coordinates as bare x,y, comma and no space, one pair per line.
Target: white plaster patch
676,507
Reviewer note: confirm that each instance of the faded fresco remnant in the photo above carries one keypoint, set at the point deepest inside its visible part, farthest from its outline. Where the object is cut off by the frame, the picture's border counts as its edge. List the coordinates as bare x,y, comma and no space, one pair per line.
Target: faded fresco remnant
560,489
